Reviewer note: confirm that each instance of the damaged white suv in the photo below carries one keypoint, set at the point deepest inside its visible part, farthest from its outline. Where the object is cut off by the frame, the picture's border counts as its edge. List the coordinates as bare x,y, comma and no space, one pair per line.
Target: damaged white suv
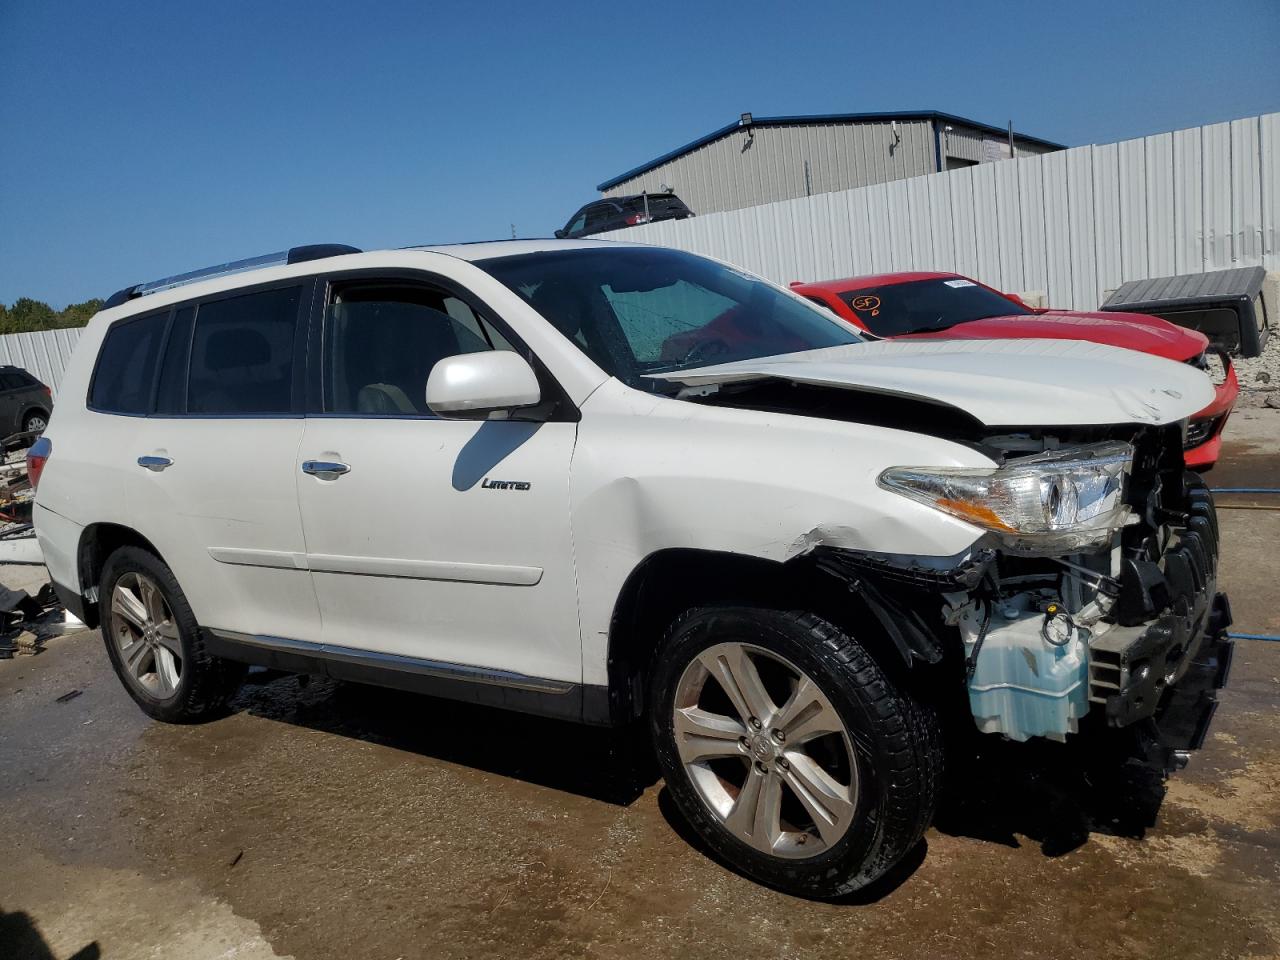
617,483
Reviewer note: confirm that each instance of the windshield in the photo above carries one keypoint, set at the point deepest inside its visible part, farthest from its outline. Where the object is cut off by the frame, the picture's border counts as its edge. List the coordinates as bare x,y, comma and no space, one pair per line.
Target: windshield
637,311
919,305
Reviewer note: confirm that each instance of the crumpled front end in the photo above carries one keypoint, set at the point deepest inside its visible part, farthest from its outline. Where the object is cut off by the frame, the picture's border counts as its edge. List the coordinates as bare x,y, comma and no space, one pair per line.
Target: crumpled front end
1124,633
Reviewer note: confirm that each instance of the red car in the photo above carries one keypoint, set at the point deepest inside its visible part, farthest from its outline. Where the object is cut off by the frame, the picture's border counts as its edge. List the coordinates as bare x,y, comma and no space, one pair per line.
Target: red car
948,306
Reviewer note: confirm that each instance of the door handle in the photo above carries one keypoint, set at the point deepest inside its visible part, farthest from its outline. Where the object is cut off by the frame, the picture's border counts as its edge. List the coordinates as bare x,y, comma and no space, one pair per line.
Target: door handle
325,469
155,464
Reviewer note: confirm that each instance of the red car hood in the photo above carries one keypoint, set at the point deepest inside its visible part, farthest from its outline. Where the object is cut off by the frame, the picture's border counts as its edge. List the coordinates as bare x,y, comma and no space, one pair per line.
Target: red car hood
1134,331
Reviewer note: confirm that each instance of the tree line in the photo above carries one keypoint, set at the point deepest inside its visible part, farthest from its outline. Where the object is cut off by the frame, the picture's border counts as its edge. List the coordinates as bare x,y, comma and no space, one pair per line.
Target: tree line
27,315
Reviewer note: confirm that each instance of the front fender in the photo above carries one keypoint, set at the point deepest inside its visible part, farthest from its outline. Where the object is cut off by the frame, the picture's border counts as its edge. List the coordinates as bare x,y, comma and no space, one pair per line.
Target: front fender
652,474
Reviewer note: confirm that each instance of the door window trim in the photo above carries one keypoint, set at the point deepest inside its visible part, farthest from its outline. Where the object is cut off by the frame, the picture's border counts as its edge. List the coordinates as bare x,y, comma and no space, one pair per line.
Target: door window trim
562,410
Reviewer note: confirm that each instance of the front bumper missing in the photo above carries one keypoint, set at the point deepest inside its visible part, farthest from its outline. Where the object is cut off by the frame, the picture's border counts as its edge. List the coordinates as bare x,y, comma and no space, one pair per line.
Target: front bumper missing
1187,709
1168,669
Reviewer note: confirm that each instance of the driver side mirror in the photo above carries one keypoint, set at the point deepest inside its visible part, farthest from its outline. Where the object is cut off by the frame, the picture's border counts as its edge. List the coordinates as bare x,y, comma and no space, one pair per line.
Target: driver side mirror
473,386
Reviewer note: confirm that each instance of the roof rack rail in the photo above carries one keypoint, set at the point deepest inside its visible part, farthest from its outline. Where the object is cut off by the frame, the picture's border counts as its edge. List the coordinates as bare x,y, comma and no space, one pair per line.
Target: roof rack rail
314,251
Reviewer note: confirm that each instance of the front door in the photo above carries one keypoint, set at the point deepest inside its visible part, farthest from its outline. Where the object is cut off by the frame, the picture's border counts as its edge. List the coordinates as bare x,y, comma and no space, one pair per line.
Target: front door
439,540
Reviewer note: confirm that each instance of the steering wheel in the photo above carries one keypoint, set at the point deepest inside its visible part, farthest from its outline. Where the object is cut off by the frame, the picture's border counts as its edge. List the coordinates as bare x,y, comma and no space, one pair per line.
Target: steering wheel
705,351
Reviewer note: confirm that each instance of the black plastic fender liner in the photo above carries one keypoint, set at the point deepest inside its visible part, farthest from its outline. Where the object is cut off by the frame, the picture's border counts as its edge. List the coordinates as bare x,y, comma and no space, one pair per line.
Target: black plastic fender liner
896,588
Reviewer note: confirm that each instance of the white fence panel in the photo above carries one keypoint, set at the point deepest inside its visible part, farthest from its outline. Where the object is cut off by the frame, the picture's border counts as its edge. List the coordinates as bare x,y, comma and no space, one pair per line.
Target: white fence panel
1269,147
43,354
1246,191
1074,223
1188,203
1159,222
1035,265
1216,185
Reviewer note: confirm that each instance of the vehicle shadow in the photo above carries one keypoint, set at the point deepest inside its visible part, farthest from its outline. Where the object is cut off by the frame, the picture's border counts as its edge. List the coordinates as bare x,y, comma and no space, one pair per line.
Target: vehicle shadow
1051,794
614,766
20,939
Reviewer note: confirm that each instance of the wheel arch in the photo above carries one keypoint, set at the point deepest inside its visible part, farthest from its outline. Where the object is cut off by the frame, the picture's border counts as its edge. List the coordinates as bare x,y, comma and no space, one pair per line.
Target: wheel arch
97,542
29,409
670,581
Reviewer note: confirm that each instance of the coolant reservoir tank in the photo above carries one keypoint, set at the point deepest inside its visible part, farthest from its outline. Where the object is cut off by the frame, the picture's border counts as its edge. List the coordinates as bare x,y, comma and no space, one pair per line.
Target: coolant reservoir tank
1023,686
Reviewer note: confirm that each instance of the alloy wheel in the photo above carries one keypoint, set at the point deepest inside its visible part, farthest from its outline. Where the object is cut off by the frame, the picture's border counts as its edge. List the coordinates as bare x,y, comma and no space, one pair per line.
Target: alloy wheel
765,750
146,635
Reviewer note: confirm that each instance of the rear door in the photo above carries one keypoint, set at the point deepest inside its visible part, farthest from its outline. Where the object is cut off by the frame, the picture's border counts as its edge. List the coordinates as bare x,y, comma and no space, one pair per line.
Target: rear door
431,539
214,466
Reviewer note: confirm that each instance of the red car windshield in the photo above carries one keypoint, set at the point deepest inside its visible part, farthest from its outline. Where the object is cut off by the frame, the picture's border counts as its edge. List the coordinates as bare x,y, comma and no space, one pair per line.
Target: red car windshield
919,305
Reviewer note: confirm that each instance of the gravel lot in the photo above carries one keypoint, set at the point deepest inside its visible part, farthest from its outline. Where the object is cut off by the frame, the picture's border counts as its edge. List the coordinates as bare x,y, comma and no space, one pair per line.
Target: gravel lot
325,821
1260,377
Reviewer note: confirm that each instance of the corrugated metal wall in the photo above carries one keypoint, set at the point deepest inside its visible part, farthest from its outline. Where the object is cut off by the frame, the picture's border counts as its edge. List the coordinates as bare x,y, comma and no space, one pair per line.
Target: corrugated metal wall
1072,223
734,172
969,143
727,174
44,354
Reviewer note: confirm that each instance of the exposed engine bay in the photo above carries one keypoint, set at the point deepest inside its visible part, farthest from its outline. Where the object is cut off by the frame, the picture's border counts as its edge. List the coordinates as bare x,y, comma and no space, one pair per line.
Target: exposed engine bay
1129,627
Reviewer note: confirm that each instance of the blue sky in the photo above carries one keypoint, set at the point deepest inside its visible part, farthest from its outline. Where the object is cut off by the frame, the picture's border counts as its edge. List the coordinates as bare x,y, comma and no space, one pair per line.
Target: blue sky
142,139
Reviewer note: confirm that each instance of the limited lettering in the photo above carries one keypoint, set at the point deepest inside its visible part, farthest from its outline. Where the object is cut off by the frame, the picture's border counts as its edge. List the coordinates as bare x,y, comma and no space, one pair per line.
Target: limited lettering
488,484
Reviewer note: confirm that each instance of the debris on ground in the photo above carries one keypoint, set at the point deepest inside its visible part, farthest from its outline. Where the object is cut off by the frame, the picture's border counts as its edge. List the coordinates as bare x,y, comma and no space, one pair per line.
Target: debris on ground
30,616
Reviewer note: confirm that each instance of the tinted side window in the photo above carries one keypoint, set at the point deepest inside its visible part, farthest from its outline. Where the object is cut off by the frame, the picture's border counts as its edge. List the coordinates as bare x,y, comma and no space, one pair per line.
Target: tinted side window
242,354
126,370
382,341
11,381
171,394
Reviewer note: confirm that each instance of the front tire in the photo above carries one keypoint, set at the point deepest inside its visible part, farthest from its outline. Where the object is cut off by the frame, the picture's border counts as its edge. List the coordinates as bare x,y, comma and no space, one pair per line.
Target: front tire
154,643
790,751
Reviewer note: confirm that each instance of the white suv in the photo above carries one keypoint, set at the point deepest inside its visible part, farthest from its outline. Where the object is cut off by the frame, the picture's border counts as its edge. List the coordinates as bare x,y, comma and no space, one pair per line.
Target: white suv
616,483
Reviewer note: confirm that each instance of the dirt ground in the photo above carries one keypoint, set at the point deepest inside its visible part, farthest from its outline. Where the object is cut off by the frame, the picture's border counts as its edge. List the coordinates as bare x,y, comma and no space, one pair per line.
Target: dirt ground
323,821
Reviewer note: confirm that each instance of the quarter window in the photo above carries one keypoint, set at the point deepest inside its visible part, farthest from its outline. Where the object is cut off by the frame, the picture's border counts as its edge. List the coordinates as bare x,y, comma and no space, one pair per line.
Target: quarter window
381,342
126,370
242,352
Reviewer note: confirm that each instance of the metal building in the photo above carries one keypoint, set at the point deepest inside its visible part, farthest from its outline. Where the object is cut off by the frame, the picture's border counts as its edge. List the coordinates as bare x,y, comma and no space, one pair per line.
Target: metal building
763,159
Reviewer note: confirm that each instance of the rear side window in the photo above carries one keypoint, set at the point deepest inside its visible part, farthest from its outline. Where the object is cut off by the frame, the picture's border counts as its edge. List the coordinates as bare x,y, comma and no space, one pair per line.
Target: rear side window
126,370
12,381
242,353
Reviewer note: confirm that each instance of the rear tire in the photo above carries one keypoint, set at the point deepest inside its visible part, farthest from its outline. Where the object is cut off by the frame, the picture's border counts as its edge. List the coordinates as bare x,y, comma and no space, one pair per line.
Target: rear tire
835,728
155,645
35,421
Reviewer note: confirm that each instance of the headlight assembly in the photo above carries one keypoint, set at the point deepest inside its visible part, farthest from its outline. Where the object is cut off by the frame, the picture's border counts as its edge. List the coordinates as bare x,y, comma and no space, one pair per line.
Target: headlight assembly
1062,501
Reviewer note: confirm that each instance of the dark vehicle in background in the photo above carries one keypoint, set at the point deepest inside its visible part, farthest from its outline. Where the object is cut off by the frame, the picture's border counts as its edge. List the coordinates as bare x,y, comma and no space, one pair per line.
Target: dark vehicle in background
25,402
617,213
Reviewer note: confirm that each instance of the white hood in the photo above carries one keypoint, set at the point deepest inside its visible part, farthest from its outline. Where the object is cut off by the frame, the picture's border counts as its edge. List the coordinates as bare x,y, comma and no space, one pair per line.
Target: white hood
998,382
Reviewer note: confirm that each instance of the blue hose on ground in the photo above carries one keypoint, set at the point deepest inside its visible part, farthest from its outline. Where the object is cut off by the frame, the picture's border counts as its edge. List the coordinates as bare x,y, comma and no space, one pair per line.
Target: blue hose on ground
1253,636
1244,490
